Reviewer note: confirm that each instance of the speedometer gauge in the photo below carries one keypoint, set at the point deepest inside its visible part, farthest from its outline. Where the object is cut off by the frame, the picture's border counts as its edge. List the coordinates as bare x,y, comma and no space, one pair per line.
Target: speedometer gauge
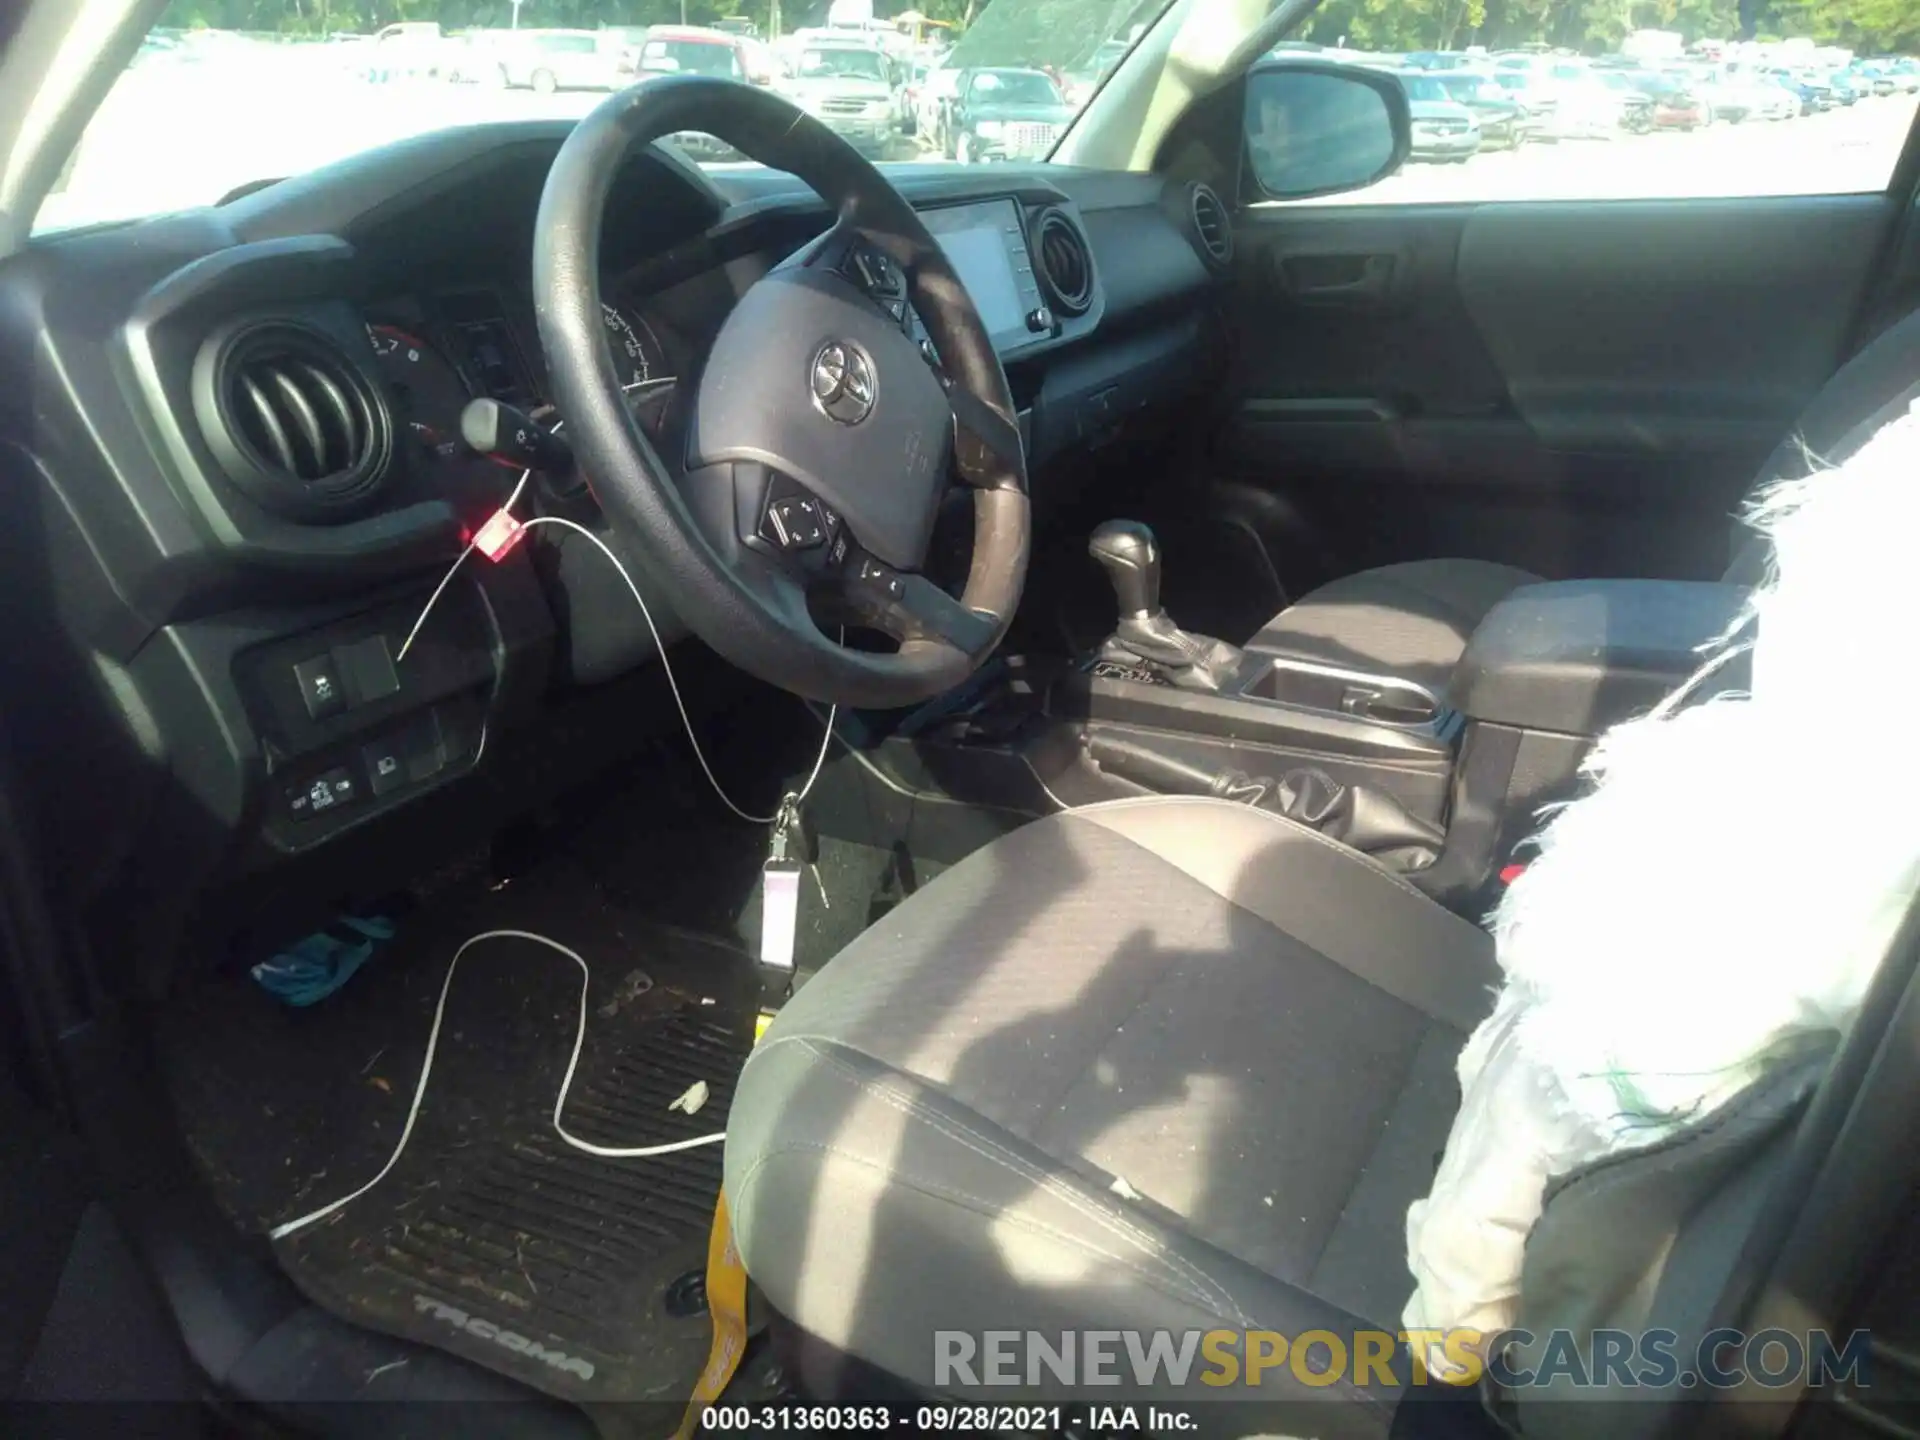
637,356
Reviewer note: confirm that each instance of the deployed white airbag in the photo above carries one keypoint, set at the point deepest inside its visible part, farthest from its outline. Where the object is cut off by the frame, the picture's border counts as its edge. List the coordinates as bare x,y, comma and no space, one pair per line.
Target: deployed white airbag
1723,891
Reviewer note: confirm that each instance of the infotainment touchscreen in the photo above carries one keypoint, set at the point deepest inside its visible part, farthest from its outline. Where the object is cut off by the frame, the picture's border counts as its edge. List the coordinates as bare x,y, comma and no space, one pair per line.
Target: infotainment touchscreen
988,248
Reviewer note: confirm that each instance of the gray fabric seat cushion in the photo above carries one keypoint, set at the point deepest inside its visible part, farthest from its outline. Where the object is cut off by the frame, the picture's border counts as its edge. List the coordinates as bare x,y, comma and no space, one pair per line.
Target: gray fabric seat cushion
1250,1026
1409,622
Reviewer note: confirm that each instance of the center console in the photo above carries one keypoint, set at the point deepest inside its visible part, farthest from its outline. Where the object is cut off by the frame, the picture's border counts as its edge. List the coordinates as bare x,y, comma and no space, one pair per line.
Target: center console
1440,787
1550,668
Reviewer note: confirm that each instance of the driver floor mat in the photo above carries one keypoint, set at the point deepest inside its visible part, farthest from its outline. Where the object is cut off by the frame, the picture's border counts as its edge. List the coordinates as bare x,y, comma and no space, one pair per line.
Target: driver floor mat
491,1237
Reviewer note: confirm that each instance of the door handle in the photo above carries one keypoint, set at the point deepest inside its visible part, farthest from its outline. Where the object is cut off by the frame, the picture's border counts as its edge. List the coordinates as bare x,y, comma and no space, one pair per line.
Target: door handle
1338,278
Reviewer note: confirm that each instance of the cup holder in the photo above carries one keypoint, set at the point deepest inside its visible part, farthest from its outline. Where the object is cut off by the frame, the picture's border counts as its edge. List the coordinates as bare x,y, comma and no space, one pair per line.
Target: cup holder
1374,698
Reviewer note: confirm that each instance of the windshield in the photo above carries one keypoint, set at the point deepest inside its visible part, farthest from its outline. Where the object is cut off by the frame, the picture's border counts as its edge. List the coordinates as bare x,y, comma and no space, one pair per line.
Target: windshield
231,94
1423,87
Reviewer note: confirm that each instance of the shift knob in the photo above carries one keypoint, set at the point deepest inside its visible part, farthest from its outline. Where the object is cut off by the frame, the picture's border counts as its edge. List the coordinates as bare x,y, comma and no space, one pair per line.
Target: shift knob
1132,559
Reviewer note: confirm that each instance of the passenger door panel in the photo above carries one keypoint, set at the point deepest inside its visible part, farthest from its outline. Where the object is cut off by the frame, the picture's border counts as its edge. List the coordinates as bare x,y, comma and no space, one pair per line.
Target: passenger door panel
1576,388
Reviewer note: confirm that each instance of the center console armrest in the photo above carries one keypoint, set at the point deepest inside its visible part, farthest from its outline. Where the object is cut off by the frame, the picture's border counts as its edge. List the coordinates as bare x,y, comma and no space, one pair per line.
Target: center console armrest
1577,656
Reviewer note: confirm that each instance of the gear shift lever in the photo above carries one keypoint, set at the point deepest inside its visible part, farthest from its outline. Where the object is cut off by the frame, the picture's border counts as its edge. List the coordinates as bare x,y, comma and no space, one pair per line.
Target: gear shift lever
1132,559
1146,633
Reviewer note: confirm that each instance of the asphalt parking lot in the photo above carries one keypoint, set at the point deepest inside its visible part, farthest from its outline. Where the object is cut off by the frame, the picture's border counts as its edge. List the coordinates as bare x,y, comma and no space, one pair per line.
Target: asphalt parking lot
177,135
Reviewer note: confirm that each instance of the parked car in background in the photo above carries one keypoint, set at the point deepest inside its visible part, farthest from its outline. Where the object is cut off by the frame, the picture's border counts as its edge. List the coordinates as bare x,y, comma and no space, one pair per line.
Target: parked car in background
550,60
1505,123
1902,74
1873,79
1636,100
1586,106
1443,128
849,84
1773,100
413,51
906,100
1675,105
1004,114
933,105
1735,96
698,50
1536,96
1812,95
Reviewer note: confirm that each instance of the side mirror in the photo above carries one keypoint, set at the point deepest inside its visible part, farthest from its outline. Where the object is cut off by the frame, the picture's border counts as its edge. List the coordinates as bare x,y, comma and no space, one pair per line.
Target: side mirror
1318,128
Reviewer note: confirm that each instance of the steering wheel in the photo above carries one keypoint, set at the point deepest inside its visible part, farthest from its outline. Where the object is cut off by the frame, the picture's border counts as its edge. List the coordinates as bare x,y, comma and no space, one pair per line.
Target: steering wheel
822,438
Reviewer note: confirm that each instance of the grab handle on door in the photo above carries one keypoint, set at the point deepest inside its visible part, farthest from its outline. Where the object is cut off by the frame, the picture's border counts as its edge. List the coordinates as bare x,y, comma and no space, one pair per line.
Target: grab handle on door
1338,278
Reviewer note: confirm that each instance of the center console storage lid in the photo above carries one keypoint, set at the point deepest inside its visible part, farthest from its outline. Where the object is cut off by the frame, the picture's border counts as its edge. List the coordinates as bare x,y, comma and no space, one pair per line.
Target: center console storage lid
1577,656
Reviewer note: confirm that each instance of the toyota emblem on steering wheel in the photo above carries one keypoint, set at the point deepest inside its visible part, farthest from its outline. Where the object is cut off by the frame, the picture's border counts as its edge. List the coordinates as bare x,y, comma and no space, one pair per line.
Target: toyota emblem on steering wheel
842,382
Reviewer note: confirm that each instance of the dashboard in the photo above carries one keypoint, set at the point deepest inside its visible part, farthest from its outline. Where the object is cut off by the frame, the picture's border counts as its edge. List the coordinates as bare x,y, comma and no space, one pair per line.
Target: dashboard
238,472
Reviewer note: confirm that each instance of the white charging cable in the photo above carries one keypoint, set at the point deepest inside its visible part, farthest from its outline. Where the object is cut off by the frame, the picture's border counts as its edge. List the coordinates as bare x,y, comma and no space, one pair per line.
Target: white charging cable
608,1152
833,714
519,486
454,569
290,1227
666,662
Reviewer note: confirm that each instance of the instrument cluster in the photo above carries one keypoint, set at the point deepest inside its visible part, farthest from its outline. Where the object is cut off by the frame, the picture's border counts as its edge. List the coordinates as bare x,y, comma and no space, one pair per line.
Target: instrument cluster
437,352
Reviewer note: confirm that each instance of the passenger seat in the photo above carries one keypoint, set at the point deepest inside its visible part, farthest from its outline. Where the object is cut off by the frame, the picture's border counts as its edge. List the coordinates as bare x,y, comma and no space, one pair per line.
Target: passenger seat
1412,621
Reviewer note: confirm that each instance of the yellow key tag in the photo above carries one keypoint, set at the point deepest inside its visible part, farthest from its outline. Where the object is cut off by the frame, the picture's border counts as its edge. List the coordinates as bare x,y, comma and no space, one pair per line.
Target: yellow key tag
727,1303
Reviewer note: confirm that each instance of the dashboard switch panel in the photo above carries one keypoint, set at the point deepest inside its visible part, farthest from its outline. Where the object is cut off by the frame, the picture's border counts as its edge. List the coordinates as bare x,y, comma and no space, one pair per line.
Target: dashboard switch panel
366,669
320,687
328,791
386,763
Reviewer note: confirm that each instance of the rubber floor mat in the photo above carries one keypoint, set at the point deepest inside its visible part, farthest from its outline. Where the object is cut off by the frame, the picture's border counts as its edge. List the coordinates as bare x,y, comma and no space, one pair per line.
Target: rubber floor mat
491,1237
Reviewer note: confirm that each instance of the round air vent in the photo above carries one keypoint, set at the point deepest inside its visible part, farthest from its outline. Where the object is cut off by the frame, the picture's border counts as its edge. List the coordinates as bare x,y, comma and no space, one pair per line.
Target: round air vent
1211,226
1066,267
293,420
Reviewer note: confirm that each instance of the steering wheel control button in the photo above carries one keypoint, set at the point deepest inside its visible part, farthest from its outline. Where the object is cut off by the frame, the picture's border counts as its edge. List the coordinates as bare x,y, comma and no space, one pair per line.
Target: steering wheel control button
875,272
366,669
323,793
320,687
842,381
882,581
798,522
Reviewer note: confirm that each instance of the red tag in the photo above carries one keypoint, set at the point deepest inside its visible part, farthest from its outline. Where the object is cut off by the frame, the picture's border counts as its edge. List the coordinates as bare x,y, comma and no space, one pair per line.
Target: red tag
1512,873
499,535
